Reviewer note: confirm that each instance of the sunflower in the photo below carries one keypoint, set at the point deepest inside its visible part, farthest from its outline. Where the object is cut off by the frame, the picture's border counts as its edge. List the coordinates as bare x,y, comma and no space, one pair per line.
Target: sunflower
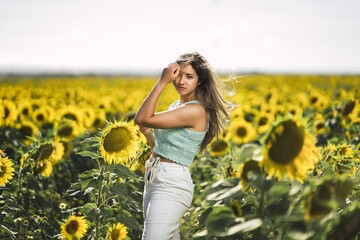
67,145
24,158
263,121
40,116
62,206
2,114
100,119
354,115
290,150
241,131
27,129
348,107
346,150
143,155
25,109
294,110
237,113
89,117
9,114
44,157
72,113
59,152
44,151
119,143
317,100
319,126
74,228
318,203
118,232
6,170
329,194
248,171
218,147
66,129
44,167
345,167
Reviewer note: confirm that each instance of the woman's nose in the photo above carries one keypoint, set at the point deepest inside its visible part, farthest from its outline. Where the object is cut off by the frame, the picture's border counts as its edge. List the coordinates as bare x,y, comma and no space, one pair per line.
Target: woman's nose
182,79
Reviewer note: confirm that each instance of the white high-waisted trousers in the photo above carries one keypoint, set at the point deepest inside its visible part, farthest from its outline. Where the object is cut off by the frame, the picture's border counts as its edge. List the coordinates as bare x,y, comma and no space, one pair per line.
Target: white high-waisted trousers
167,196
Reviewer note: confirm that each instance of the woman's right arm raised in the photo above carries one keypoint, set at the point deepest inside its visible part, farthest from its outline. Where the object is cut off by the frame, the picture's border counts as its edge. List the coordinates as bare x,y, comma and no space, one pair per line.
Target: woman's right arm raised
147,109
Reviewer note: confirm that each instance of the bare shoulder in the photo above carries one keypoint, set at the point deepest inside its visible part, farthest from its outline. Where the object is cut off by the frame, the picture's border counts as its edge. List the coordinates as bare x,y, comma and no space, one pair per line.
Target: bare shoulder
195,109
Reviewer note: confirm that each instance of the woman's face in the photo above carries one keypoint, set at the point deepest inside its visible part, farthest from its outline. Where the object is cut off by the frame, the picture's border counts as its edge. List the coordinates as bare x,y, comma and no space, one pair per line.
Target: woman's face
187,82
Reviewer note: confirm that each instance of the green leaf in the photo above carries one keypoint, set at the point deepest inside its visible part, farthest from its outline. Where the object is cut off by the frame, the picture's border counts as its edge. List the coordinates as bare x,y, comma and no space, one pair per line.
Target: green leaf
90,182
5,227
89,210
89,154
74,189
90,140
224,193
121,171
247,151
88,190
128,220
243,227
219,219
279,189
118,189
90,174
106,212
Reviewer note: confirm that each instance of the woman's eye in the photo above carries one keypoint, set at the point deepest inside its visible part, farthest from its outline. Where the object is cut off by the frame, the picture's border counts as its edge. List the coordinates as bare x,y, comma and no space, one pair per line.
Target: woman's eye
189,76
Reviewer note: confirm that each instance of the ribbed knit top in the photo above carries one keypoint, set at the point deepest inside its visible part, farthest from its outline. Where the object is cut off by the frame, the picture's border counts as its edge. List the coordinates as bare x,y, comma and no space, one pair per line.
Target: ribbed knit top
178,144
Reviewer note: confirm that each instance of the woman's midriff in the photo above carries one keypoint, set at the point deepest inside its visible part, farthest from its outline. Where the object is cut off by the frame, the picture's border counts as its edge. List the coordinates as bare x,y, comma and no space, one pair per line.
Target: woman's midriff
162,159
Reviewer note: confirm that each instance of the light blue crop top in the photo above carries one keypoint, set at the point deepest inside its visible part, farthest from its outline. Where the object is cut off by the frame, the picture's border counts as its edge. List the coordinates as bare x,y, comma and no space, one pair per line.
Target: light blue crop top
178,144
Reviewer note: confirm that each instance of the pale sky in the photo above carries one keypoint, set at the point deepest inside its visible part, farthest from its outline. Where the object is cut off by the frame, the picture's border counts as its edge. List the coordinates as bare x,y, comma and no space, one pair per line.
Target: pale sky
301,36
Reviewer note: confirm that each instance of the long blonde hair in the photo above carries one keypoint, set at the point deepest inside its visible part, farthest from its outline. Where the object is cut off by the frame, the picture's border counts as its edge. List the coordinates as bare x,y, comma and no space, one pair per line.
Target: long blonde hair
208,93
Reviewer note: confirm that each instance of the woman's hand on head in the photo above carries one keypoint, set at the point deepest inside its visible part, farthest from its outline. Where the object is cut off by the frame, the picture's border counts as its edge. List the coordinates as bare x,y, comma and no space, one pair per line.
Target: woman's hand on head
170,73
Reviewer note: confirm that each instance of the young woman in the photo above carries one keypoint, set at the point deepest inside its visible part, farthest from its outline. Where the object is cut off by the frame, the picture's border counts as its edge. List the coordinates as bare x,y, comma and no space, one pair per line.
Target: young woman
175,137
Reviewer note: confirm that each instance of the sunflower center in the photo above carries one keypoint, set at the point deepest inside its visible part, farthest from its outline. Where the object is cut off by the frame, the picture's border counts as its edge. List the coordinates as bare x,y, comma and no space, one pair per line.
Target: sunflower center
65,131
2,170
26,131
249,117
348,108
287,144
25,111
320,125
241,132
117,139
115,234
40,117
251,170
263,121
70,116
7,112
219,146
313,100
44,151
72,227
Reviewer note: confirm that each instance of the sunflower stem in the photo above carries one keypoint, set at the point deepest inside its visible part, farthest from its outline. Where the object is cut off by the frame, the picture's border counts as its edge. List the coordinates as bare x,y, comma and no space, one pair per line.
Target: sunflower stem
260,213
98,204
19,185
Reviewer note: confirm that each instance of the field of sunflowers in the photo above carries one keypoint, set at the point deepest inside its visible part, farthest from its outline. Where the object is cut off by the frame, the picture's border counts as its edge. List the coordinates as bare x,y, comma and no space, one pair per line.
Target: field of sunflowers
287,166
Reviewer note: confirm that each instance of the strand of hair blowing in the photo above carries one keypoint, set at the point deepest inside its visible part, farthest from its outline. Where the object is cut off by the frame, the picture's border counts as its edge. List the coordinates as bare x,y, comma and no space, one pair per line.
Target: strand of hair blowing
208,92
